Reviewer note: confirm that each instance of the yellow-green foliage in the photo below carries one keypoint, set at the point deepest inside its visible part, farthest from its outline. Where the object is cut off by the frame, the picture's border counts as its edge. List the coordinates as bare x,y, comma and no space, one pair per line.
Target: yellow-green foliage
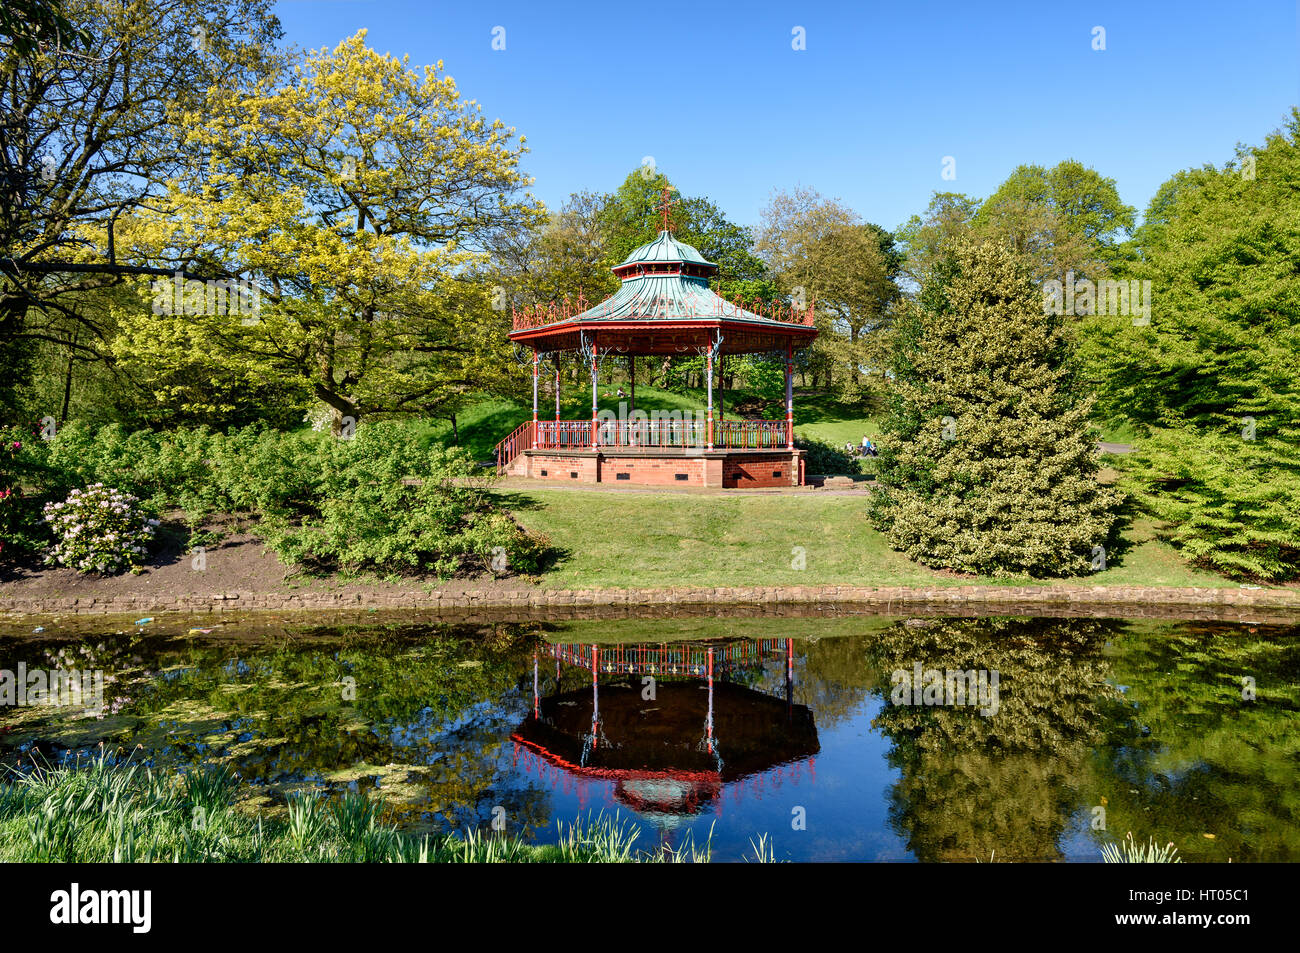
988,462
350,190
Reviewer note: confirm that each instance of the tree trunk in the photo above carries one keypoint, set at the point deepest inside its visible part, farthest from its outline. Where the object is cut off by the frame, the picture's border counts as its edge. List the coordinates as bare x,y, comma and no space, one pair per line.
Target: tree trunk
67,385
340,407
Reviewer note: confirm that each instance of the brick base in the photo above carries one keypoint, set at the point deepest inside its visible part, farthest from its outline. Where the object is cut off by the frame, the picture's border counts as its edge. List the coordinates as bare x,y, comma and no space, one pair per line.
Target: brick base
727,469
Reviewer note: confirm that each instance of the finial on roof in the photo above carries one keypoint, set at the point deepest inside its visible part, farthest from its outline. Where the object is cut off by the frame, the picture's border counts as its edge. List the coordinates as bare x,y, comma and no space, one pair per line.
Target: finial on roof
664,206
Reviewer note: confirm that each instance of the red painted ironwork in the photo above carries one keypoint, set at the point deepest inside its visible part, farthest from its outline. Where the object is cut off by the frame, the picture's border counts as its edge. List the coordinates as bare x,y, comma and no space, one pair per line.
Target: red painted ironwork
538,760
708,385
789,396
563,435
631,659
595,437
691,660
708,724
604,774
520,439
727,434
646,433
749,434
536,365
665,206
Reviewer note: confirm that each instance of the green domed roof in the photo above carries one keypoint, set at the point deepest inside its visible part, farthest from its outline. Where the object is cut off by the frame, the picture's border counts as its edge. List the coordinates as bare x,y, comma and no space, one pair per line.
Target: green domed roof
669,249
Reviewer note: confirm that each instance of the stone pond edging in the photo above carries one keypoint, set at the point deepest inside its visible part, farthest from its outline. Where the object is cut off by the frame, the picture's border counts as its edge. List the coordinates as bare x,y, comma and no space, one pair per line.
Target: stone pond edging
984,598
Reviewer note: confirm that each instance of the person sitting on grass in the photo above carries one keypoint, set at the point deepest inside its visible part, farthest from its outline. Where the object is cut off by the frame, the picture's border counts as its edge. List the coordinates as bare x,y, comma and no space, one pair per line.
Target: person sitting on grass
868,448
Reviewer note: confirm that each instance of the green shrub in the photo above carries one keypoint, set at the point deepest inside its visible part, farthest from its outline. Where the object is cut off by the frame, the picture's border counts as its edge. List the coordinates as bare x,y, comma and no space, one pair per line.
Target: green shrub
258,470
153,466
1228,504
252,470
325,504
24,472
823,458
387,505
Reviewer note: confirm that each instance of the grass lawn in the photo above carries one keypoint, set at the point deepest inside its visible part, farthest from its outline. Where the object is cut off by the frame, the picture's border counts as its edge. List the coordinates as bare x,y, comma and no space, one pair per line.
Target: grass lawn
620,539
1118,432
821,417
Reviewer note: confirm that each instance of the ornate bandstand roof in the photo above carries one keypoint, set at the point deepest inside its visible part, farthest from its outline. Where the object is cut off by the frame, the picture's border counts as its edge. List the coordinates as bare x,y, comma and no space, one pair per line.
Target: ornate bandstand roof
666,248
665,305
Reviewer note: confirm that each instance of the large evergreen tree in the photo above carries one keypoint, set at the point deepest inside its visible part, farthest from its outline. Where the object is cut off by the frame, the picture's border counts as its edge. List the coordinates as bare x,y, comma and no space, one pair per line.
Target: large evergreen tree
988,461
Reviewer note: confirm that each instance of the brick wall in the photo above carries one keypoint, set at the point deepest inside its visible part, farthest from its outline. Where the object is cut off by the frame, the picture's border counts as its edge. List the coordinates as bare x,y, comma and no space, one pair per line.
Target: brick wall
753,470
779,468
560,467
654,471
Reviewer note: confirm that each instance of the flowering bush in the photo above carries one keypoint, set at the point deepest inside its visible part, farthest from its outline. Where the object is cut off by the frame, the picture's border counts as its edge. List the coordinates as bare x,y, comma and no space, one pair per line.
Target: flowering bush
22,474
99,529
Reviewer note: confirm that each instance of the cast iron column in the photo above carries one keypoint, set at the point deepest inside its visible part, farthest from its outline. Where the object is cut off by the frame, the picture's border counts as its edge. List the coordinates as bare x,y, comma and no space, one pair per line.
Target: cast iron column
595,434
708,380
789,395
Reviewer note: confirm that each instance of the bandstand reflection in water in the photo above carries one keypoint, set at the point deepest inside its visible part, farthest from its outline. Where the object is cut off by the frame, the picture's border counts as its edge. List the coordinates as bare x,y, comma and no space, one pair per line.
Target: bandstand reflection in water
672,727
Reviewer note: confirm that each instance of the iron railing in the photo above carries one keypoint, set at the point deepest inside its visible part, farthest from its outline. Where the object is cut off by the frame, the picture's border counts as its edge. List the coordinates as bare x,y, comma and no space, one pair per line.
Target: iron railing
651,434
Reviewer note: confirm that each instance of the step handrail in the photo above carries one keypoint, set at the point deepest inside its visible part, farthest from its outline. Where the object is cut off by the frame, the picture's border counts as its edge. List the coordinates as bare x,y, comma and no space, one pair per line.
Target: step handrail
509,448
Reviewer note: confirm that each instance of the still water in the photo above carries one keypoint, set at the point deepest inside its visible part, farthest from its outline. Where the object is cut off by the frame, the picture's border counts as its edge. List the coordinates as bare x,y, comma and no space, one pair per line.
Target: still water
808,730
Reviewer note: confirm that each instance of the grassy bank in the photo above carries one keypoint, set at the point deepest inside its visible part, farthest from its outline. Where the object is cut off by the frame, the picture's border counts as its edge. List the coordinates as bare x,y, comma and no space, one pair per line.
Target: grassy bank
124,813
609,539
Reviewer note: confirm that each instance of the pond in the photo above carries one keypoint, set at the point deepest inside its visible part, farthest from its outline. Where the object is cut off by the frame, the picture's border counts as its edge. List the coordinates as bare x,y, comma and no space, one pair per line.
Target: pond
838,736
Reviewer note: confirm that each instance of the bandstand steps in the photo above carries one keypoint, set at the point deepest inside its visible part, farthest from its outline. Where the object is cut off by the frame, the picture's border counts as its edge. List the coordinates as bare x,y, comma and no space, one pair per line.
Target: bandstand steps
840,483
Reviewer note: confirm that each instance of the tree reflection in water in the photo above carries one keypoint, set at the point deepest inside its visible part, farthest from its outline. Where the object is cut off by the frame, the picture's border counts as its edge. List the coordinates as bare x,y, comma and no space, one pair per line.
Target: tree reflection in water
448,723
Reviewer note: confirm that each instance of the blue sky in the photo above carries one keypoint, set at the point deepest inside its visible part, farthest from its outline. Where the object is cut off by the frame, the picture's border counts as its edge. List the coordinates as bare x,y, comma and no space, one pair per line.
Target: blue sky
868,111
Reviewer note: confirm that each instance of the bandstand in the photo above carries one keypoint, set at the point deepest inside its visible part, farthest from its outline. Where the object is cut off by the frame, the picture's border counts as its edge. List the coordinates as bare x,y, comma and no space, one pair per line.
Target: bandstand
671,756
663,307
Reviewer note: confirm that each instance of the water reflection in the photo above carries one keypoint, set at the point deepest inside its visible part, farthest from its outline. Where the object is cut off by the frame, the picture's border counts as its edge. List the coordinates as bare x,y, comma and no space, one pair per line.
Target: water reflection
454,725
672,726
